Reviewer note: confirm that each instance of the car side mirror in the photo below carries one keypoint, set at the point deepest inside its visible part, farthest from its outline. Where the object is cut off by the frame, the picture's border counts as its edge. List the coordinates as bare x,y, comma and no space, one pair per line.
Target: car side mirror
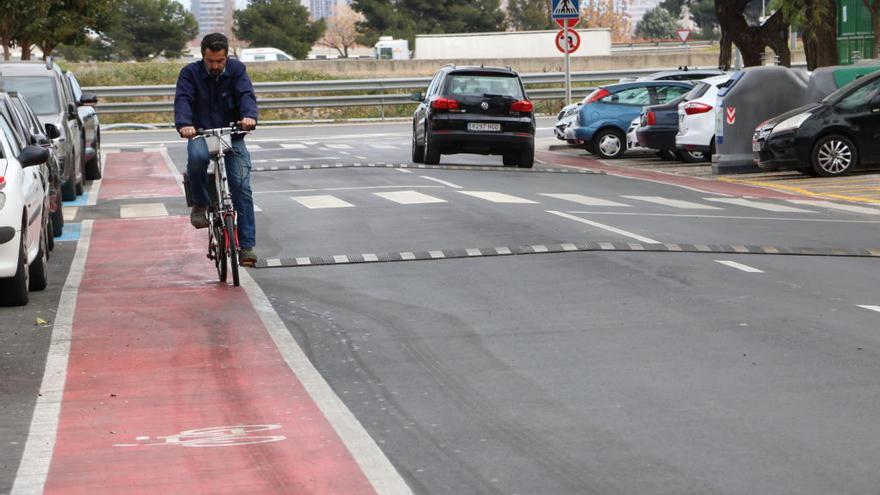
71,111
88,99
33,155
52,131
419,97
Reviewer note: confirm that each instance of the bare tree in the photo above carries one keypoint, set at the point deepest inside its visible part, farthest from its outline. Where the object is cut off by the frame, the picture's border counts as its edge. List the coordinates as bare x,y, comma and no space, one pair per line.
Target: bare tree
751,40
341,33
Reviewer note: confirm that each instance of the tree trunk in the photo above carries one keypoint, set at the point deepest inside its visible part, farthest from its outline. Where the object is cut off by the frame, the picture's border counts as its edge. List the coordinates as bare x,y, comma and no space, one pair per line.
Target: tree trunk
724,58
751,40
6,41
25,49
873,6
820,40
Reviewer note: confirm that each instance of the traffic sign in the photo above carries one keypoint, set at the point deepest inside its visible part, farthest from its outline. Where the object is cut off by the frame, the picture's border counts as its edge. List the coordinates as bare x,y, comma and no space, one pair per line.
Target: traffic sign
571,23
683,34
565,9
574,40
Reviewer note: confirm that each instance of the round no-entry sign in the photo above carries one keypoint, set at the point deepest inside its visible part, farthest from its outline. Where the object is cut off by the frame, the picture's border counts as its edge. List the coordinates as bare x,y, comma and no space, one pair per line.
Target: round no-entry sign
574,40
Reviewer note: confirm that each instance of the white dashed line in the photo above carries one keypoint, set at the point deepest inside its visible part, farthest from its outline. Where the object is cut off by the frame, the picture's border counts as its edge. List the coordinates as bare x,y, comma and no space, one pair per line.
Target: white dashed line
646,240
739,266
438,181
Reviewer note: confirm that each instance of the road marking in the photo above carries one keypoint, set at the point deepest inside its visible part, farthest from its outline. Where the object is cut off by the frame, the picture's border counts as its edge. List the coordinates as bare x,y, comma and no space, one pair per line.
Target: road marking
359,157
739,266
403,170
257,209
254,147
321,201
172,168
338,146
503,250
602,226
836,206
723,217
273,262
340,258
95,187
409,197
584,200
759,205
292,159
286,191
142,210
436,254
447,184
37,455
293,146
69,213
408,255
384,146
370,257
372,461
473,252
496,197
675,203
871,308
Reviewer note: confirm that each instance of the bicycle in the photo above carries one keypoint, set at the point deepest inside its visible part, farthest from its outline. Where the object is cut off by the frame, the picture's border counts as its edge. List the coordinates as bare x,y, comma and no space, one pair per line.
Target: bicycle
222,220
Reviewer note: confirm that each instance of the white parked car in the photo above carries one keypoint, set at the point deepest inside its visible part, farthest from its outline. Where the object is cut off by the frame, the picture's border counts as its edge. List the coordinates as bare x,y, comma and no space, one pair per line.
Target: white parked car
632,141
24,242
696,117
566,117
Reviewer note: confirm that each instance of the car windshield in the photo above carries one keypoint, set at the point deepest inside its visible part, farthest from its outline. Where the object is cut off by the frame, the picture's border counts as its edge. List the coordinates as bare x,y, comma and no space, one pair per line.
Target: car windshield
857,87
39,91
484,85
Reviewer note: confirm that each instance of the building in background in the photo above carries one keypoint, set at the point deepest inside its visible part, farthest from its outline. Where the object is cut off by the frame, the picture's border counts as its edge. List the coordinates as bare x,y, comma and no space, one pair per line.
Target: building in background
636,10
320,9
213,16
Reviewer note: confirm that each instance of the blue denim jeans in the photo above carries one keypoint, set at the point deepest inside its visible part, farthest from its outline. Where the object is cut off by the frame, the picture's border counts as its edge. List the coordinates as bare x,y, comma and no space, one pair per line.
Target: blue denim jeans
238,173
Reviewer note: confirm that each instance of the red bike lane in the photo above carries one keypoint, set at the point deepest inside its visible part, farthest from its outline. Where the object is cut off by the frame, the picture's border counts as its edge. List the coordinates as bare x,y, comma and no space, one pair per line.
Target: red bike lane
173,383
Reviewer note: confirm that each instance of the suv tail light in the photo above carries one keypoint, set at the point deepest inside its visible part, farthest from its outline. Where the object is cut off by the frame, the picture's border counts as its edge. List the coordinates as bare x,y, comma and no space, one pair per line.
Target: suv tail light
597,95
2,182
696,107
444,104
651,118
524,106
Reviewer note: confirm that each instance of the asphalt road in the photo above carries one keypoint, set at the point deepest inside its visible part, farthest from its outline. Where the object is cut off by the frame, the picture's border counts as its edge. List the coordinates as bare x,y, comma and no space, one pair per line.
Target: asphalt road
593,371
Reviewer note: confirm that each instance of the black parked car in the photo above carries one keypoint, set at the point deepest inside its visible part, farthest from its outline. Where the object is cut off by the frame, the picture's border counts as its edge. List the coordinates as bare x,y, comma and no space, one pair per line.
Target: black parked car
481,110
829,138
658,128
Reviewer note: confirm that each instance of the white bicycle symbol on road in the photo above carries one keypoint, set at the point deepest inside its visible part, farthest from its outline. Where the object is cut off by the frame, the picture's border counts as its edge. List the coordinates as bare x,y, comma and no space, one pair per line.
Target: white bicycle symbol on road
217,436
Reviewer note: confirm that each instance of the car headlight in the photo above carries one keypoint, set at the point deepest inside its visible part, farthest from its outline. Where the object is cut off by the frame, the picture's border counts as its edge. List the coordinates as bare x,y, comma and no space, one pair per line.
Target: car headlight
791,123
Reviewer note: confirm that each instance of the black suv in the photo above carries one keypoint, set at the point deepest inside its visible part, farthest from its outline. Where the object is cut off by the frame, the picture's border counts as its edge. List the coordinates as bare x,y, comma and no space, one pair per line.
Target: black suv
481,110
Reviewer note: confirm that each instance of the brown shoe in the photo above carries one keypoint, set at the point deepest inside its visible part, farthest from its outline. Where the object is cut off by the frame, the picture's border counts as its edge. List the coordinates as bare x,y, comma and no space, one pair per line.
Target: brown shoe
247,257
198,218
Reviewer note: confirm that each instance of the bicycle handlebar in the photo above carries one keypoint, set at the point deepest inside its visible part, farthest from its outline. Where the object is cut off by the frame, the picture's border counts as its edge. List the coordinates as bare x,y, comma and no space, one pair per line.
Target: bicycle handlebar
221,131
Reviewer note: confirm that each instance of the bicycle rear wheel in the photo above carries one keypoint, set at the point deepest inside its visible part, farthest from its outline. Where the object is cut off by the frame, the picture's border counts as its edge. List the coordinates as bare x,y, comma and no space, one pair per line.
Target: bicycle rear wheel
219,249
232,247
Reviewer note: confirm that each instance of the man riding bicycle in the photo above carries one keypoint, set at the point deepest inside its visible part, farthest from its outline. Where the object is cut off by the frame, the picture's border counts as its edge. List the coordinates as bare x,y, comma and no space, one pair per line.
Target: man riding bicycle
212,93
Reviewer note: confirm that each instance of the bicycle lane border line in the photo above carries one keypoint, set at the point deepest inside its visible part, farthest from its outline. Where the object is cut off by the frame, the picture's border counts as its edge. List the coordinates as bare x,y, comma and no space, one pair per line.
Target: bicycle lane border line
701,184
37,454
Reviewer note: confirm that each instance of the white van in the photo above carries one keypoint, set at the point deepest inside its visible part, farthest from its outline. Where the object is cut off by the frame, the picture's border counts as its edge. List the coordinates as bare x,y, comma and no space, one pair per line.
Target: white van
263,55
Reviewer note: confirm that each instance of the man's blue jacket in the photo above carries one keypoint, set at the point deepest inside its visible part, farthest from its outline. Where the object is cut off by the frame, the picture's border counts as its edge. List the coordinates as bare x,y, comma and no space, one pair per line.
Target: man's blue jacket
207,102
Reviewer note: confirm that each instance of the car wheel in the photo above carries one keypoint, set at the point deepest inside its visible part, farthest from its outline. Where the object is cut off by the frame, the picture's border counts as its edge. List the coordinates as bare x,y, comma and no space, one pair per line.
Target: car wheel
93,167
418,152
834,155
14,291
693,156
79,185
509,159
57,220
432,155
39,269
50,234
68,191
526,158
609,144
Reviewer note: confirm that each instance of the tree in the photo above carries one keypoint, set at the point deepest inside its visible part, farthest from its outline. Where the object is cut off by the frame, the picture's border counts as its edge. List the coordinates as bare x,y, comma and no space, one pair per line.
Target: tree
66,21
19,17
657,24
817,19
873,7
283,24
406,18
529,15
605,14
341,33
705,17
144,29
673,6
749,38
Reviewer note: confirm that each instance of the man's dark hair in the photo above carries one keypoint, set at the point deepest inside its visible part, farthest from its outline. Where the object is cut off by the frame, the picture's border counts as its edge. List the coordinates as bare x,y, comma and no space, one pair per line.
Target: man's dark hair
215,42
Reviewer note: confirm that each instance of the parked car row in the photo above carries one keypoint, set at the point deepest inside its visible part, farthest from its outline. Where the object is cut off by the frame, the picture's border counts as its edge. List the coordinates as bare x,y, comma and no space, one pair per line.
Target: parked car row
49,145
830,137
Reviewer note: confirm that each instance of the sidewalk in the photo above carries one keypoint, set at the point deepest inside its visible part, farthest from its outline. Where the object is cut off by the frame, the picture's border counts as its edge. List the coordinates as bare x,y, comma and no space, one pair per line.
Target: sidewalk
175,384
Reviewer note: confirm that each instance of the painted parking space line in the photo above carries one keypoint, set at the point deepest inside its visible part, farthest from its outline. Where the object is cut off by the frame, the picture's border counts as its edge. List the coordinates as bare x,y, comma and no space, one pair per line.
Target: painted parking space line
71,232
739,266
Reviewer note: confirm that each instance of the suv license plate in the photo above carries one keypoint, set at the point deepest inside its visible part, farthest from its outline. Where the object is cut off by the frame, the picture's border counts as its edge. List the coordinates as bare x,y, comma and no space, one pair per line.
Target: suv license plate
483,127
756,146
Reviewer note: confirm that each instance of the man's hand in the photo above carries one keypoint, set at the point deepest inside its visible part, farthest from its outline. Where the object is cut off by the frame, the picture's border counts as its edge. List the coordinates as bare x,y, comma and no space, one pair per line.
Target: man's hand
188,132
248,124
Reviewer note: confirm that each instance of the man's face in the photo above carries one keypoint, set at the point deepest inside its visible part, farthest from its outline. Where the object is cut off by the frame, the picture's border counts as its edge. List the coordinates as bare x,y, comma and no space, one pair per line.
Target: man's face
214,61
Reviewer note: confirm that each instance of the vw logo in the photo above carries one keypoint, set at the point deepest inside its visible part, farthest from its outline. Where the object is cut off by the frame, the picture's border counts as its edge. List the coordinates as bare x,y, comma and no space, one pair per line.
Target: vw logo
484,105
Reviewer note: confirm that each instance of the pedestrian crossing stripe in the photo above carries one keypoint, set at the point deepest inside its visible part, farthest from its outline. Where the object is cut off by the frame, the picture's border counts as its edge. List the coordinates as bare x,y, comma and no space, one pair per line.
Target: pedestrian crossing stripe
563,248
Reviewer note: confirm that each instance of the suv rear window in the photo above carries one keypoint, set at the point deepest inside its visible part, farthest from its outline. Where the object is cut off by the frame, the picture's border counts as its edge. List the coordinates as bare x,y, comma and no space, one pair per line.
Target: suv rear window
39,91
483,84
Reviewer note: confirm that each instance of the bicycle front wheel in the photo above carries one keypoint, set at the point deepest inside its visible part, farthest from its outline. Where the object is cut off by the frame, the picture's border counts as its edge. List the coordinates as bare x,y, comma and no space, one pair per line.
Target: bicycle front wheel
232,248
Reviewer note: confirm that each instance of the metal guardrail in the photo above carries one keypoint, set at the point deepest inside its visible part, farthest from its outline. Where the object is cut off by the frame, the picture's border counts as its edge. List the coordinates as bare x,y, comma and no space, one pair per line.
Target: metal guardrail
372,91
